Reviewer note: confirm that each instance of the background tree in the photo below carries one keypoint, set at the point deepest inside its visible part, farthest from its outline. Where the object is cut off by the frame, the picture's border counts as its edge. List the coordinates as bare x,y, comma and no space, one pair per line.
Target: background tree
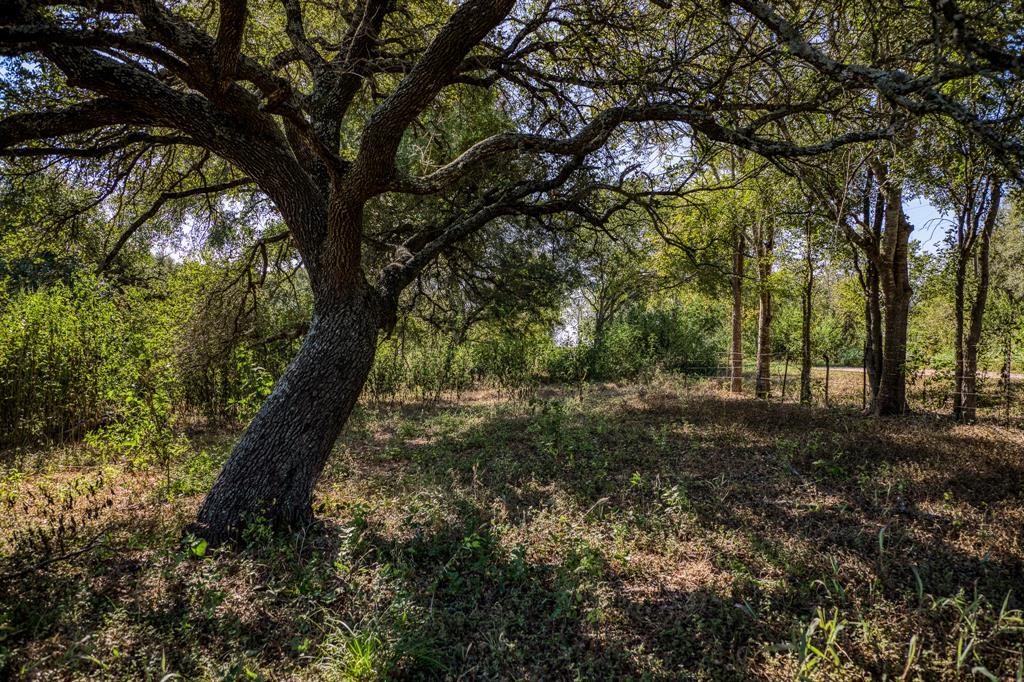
327,121
966,182
1007,283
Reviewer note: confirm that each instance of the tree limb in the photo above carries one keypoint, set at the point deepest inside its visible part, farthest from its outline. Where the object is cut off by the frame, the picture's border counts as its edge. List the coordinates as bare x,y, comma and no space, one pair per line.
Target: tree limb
471,22
155,208
228,43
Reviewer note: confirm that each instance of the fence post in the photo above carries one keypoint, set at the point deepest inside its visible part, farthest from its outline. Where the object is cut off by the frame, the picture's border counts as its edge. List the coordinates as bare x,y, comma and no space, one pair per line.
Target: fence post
864,381
1006,389
827,372
785,376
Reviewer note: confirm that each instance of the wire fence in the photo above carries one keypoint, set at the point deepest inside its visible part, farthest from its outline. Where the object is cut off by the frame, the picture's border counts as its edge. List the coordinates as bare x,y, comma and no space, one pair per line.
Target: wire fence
999,396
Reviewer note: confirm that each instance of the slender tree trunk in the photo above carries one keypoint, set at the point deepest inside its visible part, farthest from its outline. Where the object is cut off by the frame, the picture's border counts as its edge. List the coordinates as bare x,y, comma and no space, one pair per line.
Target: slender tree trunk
1004,372
785,378
764,345
459,331
602,320
765,244
1008,366
272,471
828,376
1007,371
599,326
969,385
736,357
805,331
959,285
970,382
874,216
873,336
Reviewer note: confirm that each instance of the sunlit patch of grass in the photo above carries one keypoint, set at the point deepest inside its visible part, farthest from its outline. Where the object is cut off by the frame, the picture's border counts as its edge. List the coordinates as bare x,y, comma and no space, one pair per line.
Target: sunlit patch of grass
639,531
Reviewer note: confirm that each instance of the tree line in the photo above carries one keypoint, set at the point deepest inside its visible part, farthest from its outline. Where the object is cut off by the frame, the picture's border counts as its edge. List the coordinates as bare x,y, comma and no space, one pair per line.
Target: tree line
382,154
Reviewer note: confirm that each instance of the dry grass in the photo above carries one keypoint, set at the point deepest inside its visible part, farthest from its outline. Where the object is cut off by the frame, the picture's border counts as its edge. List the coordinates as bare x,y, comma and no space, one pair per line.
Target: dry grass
663,531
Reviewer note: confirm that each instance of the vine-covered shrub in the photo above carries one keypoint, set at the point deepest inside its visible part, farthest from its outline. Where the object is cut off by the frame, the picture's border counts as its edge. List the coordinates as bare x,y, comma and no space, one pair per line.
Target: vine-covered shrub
688,336
66,361
229,346
120,366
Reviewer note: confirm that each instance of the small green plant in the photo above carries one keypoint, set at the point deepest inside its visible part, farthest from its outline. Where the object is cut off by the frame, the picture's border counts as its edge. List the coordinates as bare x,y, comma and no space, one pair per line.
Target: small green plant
676,499
832,584
196,546
257,532
816,645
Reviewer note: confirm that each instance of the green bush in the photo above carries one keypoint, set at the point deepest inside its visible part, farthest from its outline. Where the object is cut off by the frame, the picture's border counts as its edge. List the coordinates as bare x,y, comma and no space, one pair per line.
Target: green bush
687,335
121,366
66,361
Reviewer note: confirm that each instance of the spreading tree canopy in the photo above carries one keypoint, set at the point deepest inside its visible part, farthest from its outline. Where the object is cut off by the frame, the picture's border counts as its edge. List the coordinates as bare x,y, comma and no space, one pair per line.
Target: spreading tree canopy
384,133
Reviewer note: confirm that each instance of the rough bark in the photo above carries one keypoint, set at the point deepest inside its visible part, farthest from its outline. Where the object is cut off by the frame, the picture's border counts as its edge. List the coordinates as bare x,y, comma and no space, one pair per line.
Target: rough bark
805,332
959,287
272,471
873,330
873,219
765,241
736,356
970,376
894,275
764,345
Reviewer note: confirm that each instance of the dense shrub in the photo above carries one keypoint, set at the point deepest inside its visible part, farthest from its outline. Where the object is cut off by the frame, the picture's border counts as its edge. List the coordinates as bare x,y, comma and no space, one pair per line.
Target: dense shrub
419,361
66,360
688,335
229,349
122,365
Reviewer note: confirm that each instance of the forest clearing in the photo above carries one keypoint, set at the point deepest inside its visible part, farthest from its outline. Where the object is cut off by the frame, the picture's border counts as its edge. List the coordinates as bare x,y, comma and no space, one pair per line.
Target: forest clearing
512,340
655,531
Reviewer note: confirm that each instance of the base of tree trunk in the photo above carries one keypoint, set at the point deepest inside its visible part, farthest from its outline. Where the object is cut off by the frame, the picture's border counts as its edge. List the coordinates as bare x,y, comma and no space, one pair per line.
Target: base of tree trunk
270,476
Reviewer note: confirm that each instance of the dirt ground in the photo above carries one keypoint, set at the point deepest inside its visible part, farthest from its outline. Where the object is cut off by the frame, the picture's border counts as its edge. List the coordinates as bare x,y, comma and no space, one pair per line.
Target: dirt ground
667,530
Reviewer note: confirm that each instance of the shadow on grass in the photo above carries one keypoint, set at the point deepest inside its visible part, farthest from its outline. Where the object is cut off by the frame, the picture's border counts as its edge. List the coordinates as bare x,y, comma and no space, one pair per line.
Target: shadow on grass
896,509
488,610
640,535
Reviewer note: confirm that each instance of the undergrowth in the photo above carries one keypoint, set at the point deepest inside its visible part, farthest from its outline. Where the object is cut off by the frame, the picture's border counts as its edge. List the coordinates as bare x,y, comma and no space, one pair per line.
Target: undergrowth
601,532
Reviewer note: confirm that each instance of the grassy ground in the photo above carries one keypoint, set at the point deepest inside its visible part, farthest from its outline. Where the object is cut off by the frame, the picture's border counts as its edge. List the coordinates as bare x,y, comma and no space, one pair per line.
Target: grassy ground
666,531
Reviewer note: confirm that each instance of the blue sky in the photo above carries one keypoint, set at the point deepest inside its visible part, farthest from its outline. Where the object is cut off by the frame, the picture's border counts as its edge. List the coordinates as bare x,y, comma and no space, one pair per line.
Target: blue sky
929,224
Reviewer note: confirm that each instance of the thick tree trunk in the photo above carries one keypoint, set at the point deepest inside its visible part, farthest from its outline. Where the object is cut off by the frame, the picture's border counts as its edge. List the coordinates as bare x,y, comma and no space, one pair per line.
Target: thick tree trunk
896,291
272,471
736,356
892,391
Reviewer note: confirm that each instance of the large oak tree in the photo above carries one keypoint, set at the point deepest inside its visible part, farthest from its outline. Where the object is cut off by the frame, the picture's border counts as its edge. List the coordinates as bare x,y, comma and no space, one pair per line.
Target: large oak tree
318,105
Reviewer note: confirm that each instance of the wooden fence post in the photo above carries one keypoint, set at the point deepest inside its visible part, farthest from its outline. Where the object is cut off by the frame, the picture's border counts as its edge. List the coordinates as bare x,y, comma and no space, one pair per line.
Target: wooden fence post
864,381
827,372
1007,391
785,376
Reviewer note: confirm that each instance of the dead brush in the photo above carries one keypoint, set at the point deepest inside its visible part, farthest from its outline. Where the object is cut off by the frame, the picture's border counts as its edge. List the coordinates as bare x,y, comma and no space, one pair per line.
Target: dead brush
57,525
